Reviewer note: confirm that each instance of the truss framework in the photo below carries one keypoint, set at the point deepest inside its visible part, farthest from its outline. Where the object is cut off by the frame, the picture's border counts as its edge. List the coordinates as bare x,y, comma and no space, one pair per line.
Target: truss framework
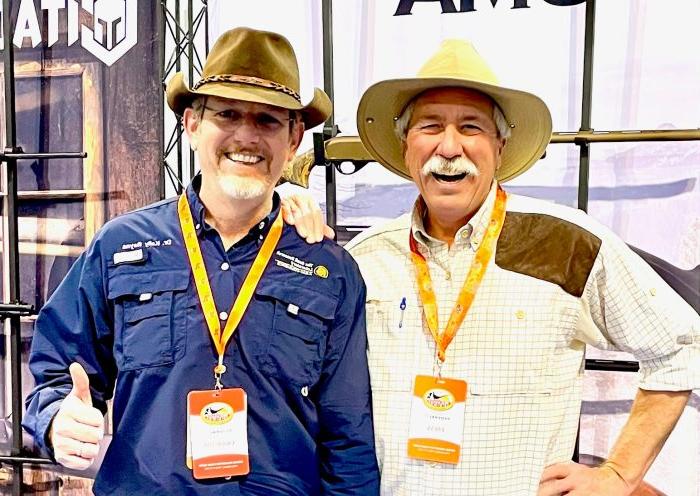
182,24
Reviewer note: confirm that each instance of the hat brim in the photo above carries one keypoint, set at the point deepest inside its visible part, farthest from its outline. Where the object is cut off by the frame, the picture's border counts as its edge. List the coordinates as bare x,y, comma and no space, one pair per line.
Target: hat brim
383,102
180,96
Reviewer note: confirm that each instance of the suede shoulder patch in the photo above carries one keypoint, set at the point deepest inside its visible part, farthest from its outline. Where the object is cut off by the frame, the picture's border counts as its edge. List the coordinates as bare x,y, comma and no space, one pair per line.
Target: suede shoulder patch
548,248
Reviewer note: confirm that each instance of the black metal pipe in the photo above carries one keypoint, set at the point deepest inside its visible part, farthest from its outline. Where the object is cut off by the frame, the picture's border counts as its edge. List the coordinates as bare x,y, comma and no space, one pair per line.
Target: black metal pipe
329,129
25,459
612,365
190,59
15,309
160,22
206,28
584,163
42,156
178,68
584,157
12,244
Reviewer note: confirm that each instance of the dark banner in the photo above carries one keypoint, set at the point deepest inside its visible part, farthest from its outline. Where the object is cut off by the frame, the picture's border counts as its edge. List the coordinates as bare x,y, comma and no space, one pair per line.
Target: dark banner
87,79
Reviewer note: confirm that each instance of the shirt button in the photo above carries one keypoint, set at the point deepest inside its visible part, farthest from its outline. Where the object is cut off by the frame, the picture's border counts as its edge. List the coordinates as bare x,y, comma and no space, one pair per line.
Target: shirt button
197,226
261,225
652,291
465,234
225,266
223,316
520,314
260,237
305,391
448,276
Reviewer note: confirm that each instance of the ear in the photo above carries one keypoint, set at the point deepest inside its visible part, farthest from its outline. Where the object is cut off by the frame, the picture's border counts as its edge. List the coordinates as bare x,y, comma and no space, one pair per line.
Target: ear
499,151
295,138
501,145
191,123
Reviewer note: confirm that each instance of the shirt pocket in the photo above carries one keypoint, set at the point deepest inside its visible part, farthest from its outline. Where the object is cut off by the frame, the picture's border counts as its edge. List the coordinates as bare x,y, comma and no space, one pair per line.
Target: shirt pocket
296,346
516,357
149,310
393,337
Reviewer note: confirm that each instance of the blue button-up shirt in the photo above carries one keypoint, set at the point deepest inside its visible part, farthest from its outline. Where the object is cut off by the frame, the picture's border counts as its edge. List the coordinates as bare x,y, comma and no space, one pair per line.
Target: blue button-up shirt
128,311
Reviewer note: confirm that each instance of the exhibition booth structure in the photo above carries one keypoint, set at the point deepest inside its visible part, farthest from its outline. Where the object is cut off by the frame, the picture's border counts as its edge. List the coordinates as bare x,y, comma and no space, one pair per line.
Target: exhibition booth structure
87,137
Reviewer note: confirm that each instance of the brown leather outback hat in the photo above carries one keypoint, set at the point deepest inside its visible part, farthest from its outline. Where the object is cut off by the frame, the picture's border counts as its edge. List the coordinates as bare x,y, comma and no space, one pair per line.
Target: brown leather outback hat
253,66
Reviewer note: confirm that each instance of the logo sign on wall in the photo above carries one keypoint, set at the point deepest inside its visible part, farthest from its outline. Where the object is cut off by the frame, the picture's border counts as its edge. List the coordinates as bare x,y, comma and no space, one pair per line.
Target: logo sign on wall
109,36
448,6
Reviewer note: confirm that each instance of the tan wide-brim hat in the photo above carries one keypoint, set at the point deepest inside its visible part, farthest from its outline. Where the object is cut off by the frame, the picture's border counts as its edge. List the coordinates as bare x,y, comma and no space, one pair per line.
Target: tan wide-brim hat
253,66
456,64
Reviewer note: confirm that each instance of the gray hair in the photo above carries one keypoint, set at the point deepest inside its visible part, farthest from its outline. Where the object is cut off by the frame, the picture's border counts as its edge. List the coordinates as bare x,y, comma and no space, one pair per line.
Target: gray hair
401,123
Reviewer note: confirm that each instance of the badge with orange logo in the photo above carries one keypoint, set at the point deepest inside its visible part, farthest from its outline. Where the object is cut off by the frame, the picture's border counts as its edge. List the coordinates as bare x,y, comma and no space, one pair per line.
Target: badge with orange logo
217,433
437,419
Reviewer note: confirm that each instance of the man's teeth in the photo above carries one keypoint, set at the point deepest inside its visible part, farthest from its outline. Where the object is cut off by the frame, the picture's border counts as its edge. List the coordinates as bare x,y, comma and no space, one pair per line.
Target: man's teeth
246,159
449,177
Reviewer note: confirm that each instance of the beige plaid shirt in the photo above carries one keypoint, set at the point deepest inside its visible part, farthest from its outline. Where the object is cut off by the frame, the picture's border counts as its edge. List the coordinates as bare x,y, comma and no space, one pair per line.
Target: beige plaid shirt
520,348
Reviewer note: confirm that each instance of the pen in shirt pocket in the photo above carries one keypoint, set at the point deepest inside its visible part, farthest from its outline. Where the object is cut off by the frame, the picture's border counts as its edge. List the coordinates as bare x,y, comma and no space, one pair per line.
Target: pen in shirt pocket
402,307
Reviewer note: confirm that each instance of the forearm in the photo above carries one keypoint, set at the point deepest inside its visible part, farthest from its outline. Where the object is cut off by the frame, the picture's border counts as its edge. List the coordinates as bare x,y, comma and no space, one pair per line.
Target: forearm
652,418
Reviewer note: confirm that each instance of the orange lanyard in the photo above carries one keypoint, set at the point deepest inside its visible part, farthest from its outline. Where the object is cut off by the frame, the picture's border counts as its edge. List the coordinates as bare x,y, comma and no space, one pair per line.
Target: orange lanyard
199,270
471,285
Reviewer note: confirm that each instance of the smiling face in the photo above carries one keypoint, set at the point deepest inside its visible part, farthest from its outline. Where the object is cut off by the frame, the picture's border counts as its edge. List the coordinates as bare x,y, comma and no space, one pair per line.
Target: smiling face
452,151
242,147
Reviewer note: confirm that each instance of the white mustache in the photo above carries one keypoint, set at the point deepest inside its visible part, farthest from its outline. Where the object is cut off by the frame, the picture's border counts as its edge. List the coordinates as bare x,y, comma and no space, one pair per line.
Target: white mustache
449,167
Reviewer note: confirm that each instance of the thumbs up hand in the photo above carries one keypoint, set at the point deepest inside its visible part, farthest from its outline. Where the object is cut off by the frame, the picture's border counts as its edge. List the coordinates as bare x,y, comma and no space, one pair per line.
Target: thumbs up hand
77,427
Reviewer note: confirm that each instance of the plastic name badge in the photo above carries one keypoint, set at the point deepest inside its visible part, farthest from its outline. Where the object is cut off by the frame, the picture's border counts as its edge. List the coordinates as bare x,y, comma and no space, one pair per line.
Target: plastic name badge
217,432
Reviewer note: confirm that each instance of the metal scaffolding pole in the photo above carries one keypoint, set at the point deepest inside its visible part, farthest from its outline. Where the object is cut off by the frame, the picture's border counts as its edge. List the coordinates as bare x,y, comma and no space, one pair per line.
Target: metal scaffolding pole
184,56
584,157
329,128
10,206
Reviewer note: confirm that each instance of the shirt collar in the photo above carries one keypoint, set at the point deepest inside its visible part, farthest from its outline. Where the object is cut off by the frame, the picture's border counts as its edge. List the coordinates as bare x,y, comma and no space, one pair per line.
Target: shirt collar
469,235
196,205
197,208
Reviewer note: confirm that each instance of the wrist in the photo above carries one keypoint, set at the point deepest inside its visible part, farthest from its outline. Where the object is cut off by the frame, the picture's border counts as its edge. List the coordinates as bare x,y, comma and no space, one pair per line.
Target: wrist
619,473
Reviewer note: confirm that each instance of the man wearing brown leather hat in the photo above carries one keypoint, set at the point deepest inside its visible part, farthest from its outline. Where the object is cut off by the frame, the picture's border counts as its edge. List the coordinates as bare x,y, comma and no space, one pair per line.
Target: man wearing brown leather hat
234,350
480,303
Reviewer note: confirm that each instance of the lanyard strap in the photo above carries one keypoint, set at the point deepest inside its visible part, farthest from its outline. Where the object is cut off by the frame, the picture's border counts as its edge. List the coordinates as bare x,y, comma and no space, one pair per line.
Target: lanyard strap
199,270
471,284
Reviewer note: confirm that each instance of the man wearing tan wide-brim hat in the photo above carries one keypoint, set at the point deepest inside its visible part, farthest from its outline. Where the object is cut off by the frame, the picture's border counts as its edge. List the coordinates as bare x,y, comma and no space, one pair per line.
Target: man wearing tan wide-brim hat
234,350
480,303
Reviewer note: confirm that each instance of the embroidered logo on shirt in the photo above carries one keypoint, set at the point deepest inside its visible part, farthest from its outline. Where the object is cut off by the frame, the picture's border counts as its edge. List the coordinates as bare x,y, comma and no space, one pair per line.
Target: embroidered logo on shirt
300,266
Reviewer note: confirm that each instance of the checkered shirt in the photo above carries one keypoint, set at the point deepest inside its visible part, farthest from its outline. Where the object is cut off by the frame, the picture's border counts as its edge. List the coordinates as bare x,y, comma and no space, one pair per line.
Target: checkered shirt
520,349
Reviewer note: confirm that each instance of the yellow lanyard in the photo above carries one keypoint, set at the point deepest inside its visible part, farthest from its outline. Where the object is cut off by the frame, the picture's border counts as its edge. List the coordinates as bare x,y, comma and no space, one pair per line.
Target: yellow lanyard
471,285
199,270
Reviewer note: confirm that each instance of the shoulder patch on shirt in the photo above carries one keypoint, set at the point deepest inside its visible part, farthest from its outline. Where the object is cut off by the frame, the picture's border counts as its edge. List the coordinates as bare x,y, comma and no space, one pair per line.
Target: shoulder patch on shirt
548,248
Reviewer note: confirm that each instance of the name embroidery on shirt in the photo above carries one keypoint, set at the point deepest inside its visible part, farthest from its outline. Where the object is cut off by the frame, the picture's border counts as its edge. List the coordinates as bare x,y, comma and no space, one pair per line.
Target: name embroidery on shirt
299,266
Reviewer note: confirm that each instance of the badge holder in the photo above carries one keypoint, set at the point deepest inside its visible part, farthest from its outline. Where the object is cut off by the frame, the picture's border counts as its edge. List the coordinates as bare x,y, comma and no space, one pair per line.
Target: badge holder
437,419
217,434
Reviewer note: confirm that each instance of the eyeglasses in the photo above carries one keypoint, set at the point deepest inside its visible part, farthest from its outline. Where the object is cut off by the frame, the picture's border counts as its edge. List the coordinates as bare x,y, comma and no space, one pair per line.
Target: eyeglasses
230,120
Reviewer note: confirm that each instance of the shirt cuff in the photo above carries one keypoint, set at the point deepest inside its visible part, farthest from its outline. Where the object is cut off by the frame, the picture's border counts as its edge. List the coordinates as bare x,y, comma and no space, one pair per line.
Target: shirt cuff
676,372
43,425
